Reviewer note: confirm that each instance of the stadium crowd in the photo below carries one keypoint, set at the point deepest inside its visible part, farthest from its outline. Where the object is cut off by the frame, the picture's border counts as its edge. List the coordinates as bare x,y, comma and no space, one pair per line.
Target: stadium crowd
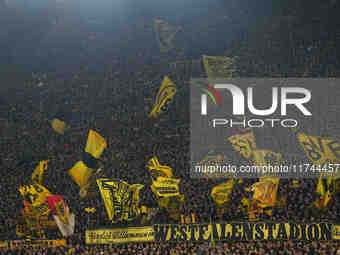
115,99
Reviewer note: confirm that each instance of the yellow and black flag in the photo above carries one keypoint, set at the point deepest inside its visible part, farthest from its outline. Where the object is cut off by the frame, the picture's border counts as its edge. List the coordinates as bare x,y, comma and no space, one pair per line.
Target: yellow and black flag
173,205
165,187
165,34
326,188
244,143
219,67
120,198
83,170
37,175
221,193
164,97
156,169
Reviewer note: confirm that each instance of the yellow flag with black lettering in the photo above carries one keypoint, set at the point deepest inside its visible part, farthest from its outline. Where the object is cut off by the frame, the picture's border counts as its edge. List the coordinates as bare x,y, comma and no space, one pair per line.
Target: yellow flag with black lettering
219,66
243,143
221,193
120,198
164,97
165,187
320,150
37,175
165,34
156,169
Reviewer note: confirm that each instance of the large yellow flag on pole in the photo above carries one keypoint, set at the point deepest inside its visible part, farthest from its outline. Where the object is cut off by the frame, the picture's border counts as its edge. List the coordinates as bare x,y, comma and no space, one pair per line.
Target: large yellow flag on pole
156,169
221,193
243,143
164,97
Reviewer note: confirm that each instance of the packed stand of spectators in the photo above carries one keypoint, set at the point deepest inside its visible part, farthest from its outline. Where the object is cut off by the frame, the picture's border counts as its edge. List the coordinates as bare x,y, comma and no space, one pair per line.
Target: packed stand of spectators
113,91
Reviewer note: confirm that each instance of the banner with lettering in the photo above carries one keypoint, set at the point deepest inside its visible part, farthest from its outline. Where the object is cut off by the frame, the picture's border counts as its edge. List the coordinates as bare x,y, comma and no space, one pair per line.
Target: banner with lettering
236,231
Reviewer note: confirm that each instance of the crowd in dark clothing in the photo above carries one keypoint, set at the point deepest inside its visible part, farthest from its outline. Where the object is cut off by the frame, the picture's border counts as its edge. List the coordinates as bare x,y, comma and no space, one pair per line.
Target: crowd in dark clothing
112,92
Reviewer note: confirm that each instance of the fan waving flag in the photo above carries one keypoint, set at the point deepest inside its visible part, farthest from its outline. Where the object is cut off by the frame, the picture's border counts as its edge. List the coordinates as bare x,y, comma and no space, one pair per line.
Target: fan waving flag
164,97
83,170
221,192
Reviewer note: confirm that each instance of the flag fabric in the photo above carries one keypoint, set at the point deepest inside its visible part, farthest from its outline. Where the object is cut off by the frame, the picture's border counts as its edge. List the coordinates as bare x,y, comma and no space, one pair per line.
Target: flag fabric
34,194
165,33
243,143
221,193
90,209
37,175
320,150
80,173
210,160
164,97
326,188
61,214
156,169
95,144
265,191
266,157
59,126
120,198
219,66
165,187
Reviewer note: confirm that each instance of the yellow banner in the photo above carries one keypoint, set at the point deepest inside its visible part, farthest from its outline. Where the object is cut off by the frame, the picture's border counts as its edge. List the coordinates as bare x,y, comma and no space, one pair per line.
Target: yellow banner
37,243
219,67
164,97
125,235
120,198
235,231
320,150
243,143
165,187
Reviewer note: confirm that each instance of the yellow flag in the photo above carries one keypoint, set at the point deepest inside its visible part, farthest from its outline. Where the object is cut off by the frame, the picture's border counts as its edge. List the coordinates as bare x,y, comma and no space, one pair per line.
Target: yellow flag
59,126
165,33
80,173
37,175
120,198
265,191
320,150
156,169
95,144
243,143
219,67
164,97
326,188
221,193
165,187
211,160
